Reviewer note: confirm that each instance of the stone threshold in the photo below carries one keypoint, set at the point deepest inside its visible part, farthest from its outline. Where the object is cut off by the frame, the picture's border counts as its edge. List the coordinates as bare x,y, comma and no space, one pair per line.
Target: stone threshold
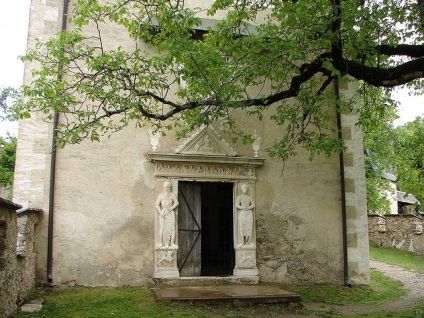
207,281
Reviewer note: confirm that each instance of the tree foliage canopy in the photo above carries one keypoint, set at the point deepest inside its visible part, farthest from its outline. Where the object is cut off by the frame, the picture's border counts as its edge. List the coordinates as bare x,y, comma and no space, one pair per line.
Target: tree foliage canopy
258,55
7,94
7,160
410,153
396,150
378,114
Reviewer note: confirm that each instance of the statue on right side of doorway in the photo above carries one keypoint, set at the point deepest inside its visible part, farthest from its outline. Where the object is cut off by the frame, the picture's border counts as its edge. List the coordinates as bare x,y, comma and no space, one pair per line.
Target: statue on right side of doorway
245,204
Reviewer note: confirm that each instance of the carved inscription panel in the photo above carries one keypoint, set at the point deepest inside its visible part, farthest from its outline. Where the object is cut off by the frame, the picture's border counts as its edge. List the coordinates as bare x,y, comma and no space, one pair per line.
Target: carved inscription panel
206,171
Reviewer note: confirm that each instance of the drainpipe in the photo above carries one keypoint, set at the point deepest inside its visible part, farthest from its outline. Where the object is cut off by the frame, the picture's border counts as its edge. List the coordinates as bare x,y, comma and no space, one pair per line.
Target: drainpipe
342,187
53,166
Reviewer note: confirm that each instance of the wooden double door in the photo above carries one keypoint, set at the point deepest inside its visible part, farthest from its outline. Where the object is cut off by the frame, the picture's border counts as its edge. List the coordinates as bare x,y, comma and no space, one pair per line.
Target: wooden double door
205,229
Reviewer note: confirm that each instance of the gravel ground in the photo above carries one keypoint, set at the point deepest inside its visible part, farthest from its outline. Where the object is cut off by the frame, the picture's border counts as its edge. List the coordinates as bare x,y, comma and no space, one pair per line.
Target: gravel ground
412,281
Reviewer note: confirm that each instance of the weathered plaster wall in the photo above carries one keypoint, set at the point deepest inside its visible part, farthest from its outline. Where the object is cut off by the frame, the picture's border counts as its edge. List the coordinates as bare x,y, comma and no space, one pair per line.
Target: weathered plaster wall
17,256
298,217
104,203
104,214
400,231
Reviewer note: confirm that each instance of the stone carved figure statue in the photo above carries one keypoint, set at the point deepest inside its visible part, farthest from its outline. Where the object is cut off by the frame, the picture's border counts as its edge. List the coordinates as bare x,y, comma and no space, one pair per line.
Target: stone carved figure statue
245,204
165,206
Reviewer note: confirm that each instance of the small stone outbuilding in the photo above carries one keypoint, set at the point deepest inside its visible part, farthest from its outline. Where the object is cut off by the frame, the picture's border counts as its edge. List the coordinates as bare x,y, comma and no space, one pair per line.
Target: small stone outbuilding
407,204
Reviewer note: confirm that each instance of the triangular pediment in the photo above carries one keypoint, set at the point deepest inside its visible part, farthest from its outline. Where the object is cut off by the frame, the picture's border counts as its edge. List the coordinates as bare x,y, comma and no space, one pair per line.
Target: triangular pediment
206,141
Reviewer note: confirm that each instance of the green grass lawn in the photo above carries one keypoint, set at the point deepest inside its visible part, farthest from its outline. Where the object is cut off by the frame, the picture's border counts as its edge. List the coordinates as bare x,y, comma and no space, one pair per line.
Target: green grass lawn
398,257
127,302
381,289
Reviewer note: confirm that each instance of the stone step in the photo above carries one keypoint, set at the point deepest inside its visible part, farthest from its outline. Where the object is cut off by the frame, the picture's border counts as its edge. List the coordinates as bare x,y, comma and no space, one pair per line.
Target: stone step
235,294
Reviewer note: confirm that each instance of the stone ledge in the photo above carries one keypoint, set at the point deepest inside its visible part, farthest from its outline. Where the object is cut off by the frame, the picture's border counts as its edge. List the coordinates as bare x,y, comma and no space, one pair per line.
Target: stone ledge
204,159
32,306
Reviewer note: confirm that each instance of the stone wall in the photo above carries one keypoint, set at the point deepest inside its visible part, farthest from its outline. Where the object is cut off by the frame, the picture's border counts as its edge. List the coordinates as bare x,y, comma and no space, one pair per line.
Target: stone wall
17,255
401,231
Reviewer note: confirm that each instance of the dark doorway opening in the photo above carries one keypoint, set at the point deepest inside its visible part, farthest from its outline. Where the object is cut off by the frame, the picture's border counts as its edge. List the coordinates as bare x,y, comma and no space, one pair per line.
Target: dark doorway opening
205,229
217,224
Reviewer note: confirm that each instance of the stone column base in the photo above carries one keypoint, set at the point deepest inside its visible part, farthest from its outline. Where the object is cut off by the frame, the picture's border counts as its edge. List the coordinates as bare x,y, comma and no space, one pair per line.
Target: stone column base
166,262
246,261
245,272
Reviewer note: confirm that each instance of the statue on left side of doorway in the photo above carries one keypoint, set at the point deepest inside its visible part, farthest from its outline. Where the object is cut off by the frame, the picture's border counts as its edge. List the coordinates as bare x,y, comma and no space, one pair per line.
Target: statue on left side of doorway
166,204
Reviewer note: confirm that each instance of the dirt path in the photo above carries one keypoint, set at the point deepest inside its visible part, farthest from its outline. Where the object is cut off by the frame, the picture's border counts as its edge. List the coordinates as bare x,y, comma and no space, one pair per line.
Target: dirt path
413,283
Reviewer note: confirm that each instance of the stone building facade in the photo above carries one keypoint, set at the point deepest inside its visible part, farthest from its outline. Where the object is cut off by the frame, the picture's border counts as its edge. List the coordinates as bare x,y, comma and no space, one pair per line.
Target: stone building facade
116,222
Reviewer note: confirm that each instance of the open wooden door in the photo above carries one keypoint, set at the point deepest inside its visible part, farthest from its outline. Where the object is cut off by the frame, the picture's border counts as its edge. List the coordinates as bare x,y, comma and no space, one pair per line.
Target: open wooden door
189,229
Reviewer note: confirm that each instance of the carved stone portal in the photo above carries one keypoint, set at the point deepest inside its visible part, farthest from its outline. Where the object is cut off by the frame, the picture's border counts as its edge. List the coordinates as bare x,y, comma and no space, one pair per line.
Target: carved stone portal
205,157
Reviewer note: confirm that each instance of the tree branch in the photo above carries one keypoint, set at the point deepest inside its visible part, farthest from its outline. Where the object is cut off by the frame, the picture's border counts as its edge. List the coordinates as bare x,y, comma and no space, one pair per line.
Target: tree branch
414,51
307,72
389,77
